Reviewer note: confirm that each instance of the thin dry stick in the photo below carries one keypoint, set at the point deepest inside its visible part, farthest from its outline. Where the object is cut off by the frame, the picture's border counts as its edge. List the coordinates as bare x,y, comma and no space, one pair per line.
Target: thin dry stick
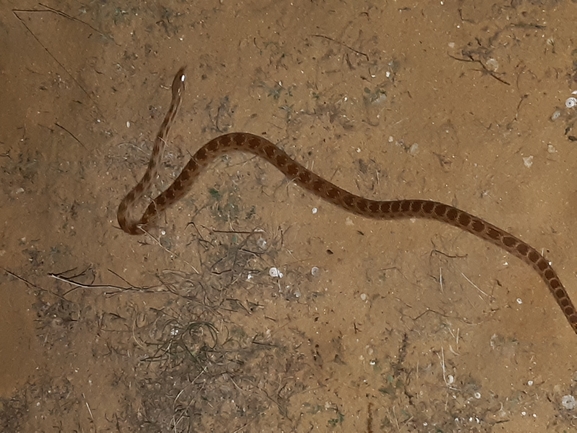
15,12
32,284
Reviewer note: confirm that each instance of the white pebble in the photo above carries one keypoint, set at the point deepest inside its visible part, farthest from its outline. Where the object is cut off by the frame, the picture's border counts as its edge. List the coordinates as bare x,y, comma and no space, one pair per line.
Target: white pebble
568,402
275,273
492,65
556,115
528,161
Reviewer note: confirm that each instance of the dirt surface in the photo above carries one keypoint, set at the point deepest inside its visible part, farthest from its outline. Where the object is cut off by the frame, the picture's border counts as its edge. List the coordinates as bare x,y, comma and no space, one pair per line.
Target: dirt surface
255,306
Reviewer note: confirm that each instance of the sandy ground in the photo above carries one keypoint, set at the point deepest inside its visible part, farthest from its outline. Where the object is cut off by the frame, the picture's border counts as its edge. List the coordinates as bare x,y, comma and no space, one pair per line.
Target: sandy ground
367,326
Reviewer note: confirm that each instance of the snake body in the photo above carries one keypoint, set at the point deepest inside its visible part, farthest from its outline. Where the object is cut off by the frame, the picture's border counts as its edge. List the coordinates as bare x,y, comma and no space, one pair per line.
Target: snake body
382,210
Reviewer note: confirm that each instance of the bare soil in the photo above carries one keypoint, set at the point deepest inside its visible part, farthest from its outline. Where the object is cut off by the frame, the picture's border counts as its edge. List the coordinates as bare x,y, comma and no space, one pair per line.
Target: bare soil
256,307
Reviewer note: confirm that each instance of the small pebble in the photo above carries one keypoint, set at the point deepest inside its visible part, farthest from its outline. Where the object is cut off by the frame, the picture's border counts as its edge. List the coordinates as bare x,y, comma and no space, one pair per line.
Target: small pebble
556,115
528,161
492,65
568,402
275,273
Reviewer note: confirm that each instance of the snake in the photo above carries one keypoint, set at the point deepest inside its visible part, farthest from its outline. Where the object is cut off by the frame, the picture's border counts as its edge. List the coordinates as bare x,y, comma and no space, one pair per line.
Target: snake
322,188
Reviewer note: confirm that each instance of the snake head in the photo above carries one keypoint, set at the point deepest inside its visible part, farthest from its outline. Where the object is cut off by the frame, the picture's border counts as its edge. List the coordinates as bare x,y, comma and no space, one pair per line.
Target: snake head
178,82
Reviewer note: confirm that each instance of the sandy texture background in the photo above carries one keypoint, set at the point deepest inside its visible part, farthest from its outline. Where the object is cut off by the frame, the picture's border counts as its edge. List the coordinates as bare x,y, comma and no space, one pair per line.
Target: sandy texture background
367,326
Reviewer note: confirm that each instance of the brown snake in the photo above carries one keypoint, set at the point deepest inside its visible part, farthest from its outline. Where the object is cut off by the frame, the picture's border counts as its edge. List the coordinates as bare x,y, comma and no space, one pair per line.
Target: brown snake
385,210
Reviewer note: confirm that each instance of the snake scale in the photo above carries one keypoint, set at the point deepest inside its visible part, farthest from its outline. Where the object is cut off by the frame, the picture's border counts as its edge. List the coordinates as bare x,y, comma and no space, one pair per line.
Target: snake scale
382,210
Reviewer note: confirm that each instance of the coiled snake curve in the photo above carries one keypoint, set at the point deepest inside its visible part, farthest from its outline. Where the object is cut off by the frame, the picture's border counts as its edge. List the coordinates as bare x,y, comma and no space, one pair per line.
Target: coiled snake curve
385,210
